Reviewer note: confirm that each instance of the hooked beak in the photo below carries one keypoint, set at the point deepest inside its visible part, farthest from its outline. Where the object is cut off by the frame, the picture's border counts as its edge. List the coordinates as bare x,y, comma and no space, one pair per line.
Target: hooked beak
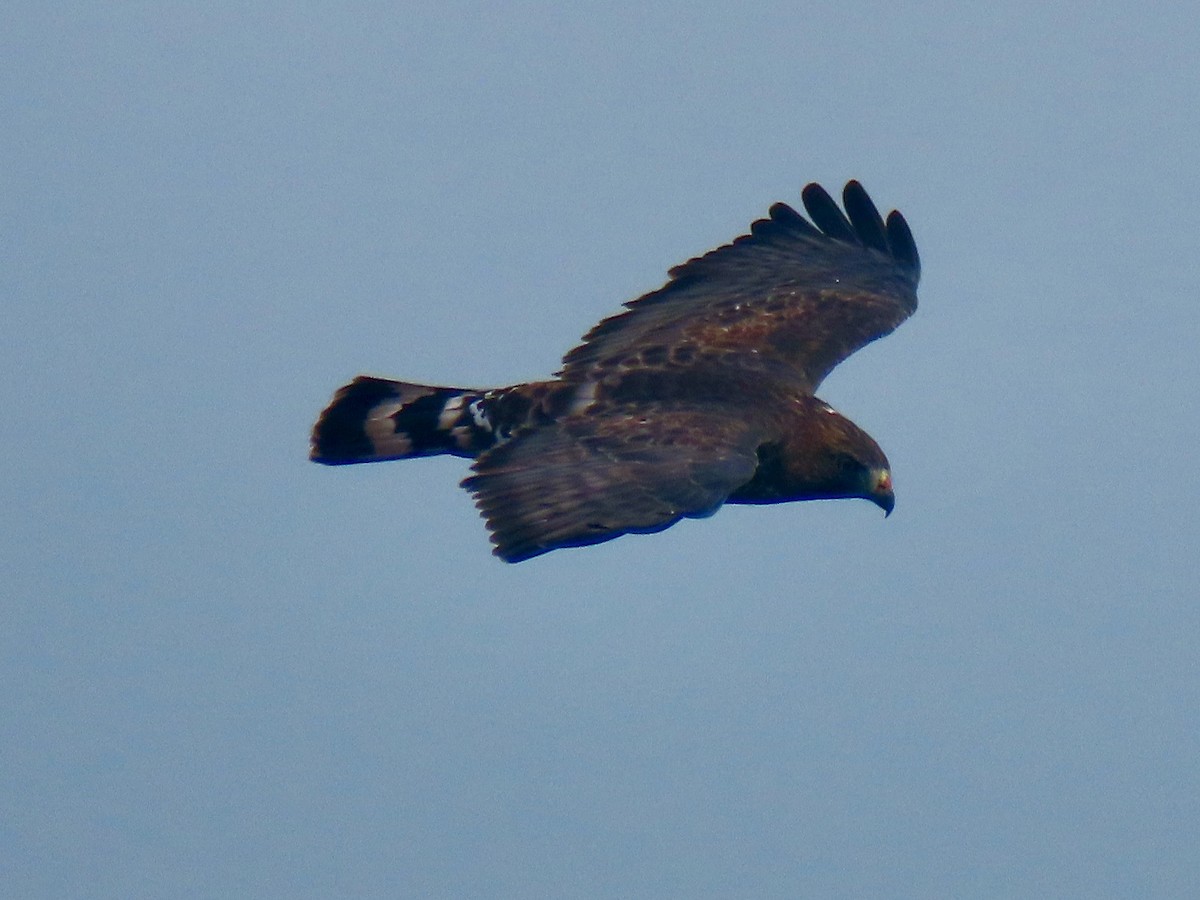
886,502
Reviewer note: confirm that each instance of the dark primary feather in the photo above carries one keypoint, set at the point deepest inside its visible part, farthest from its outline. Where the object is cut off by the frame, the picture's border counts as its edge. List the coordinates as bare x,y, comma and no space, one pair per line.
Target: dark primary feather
868,224
787,295
826,215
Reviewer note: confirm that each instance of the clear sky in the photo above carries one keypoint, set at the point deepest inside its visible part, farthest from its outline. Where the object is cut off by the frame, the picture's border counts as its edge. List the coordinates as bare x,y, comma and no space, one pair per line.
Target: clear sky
230,672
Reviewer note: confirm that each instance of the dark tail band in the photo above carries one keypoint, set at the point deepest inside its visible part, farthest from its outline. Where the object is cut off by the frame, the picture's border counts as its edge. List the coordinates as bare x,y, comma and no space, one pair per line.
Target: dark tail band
373,419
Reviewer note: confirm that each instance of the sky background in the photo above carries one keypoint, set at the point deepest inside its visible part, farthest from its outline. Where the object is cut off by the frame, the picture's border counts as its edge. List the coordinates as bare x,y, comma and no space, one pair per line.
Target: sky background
230,672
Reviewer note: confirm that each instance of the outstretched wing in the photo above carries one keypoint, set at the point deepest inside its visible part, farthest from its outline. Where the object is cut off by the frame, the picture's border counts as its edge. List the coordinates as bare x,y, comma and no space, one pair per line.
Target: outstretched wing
588,479
793,292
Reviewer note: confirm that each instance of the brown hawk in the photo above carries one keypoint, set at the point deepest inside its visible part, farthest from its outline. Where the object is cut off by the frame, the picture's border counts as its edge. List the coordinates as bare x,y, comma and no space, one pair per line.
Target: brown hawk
698,394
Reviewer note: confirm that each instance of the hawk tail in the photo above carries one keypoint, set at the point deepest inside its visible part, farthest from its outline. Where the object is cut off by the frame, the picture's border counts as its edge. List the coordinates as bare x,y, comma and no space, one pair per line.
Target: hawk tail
373,419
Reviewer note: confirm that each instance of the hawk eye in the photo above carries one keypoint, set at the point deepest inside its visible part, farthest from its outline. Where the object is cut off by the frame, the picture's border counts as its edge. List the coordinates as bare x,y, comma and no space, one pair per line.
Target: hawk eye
847,464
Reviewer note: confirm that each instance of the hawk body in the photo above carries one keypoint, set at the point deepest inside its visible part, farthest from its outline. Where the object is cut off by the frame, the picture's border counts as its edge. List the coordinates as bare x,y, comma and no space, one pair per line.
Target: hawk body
698,394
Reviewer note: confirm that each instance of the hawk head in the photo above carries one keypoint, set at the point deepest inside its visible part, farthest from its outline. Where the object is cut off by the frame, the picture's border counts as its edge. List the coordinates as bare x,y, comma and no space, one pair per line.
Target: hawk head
824,456
845,462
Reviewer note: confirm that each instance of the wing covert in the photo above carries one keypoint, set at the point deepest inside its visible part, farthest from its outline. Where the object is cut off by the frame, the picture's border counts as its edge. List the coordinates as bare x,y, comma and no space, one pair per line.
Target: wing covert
588,479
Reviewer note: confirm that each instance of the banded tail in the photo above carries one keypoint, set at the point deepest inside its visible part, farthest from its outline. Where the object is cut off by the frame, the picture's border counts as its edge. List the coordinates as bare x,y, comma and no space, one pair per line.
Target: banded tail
373,419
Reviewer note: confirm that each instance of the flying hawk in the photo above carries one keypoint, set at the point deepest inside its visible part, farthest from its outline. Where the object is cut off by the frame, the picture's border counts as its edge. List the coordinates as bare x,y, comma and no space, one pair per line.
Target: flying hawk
698,394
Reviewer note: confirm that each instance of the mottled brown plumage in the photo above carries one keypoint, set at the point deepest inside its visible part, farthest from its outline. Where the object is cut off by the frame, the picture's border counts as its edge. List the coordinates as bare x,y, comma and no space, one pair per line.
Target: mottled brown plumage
698,394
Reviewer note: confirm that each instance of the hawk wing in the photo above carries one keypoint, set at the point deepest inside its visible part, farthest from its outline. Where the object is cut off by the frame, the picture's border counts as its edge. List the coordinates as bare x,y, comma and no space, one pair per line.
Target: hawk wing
793,295
587,479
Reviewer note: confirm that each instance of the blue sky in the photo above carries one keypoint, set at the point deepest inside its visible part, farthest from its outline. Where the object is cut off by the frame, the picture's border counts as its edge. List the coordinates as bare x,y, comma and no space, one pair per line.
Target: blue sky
234,673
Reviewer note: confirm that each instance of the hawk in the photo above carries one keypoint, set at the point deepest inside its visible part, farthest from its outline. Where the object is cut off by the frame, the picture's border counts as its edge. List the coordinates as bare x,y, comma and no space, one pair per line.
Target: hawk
698,394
